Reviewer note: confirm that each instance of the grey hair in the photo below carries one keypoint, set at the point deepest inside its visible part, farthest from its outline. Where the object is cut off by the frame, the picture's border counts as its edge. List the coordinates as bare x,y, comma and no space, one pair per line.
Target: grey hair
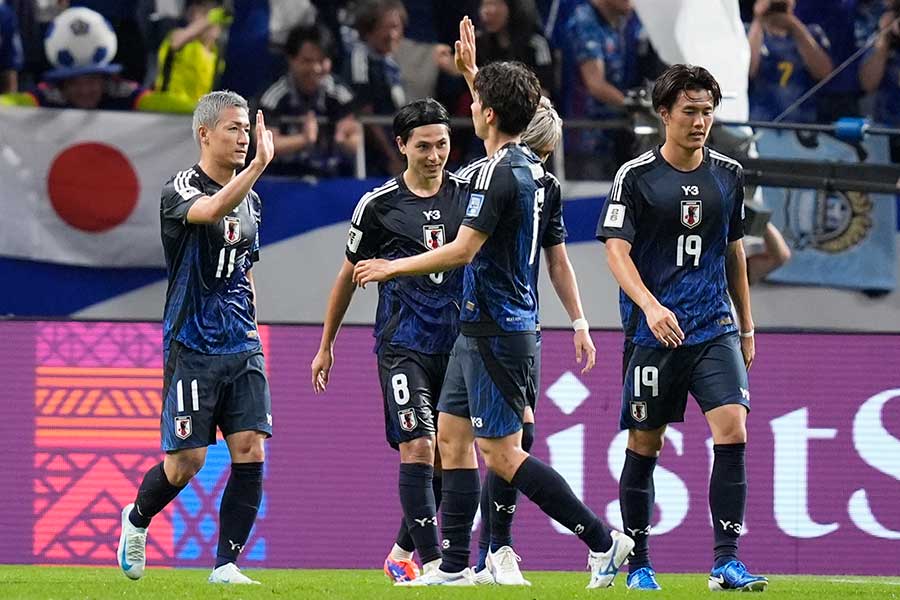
210,106
545,129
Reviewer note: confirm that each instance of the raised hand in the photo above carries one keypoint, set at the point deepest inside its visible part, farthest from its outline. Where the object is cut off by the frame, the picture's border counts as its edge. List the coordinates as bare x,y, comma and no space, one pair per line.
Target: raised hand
265,147
465,49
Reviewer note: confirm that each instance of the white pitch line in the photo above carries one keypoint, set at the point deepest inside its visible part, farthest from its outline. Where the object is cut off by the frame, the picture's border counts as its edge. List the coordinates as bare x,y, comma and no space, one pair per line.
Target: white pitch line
866,581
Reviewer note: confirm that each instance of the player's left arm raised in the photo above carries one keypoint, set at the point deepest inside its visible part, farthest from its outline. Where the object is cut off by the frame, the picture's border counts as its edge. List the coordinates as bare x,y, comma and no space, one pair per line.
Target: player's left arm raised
562,276
739,288
457,253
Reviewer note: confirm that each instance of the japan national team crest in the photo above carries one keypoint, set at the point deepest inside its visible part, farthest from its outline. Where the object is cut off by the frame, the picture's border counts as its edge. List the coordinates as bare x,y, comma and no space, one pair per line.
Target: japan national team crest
232,230
691,213
434,236
407,419
183,428
639,411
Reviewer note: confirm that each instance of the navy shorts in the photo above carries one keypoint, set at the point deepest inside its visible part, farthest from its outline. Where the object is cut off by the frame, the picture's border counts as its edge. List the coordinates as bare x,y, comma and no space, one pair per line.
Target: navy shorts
536,373
657,381
490,380
205,391
411,384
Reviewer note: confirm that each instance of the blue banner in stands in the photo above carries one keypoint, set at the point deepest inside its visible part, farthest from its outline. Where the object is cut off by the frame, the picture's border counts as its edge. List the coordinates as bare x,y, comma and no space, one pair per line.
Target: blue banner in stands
837,239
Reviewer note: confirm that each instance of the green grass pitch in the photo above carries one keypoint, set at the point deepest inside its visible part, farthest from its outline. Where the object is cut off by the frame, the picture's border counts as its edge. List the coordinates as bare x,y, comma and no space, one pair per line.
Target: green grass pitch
71,583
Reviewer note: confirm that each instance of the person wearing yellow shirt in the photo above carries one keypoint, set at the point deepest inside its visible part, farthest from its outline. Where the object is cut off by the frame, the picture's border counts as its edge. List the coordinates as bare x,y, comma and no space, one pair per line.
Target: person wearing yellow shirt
188,59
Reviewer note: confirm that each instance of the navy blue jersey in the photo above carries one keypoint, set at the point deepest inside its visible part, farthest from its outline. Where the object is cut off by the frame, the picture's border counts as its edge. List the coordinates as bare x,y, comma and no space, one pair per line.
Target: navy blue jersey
551,228
209,300
506,202
419,312
679,225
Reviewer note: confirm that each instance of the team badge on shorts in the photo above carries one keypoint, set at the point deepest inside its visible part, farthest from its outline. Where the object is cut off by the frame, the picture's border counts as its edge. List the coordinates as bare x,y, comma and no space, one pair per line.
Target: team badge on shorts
232,230
434,236
183,428
639,411
407,419
691,213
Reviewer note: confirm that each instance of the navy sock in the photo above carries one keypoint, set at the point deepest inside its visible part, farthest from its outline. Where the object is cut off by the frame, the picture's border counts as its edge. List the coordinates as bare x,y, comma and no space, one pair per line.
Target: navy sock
437,485
547,488
404,539
460,503
527,436
153,495
507,491
417,499
636,497
502,508
727,497
237,512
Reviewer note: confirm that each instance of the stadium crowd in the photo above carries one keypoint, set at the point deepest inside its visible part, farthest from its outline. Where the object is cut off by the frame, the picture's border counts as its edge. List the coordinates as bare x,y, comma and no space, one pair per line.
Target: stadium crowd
314,66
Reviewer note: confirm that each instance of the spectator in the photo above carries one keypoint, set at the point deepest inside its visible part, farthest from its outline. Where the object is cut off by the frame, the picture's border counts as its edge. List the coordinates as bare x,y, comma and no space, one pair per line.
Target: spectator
11,55
765,254
840,96
376,78
294,103
786,59
880,74
188,62
511,30
604,38
125,18
94,82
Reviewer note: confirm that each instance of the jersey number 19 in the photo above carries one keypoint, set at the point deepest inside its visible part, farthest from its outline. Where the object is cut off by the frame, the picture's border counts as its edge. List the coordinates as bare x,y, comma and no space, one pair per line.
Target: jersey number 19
690,245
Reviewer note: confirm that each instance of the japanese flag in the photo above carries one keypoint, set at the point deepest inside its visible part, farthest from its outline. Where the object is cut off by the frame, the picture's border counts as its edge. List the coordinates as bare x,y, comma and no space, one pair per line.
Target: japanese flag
83,187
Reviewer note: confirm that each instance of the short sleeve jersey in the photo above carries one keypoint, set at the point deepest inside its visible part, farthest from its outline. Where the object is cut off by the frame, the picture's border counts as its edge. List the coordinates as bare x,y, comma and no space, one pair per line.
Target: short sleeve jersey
332,100
782,78
375,79
591,37
506,202
209,300
419,312
679,225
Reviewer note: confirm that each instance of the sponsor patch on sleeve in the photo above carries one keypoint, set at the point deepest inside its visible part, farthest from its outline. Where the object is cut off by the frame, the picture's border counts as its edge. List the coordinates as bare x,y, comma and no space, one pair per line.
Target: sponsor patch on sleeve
615,216
354,237
475,202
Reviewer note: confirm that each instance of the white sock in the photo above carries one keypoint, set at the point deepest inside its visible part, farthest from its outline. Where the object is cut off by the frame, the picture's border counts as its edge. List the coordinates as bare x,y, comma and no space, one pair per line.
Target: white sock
398,553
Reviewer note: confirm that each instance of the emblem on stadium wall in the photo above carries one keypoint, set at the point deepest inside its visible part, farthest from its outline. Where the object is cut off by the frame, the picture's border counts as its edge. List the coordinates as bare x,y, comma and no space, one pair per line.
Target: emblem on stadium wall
691,213
830,221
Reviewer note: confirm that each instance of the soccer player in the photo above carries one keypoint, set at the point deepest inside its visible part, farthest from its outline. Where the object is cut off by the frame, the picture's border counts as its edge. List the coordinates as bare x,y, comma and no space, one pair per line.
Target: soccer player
497,561
214,368
417,317
488,382
672,225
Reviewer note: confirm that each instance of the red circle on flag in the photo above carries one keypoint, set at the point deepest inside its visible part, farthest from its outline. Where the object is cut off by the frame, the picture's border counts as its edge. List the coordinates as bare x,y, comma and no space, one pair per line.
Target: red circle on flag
92,186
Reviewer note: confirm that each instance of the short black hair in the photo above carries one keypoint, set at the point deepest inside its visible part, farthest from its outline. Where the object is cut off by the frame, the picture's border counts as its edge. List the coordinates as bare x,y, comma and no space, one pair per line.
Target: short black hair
314,34
683,78
369,12
418,113
512,90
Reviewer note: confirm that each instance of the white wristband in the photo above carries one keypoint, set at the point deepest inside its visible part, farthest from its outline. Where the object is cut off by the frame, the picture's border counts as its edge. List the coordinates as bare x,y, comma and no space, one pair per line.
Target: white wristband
747,334
580,324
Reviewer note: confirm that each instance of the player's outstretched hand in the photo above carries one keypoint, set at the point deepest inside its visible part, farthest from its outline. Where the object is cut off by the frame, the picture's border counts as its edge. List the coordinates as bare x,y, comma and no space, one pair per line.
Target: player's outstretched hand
465,49
584,348
748,350
664,325
265,147
321,369
373,270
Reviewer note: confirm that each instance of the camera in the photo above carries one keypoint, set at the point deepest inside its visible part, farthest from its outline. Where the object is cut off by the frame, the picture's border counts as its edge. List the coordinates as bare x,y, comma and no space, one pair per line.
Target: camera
777,6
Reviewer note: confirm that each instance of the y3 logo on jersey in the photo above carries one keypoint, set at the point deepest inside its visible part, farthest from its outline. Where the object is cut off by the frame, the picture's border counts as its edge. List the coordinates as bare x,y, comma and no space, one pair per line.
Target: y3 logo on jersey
691,190
432,215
